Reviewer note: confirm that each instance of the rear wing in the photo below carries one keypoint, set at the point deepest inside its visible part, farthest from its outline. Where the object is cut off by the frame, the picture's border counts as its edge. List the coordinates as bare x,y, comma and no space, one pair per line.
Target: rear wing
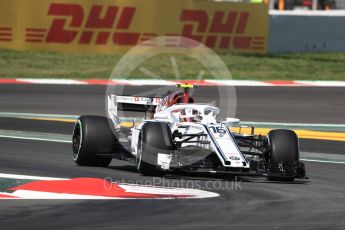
130,103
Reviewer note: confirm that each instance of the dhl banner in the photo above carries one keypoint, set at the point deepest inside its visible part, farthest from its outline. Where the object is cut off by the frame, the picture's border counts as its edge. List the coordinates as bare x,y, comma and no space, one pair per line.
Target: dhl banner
113,26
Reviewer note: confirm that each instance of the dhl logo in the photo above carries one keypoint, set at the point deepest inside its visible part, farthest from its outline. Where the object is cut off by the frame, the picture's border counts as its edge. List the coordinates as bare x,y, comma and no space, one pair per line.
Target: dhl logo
5,34
104,25
69,24
225,30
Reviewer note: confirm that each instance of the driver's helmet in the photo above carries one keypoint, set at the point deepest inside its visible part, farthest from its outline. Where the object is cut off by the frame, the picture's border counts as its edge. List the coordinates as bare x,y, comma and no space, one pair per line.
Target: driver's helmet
190,115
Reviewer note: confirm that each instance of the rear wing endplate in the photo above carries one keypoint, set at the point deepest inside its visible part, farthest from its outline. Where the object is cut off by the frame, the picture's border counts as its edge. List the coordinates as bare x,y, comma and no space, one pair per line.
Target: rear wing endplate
131,103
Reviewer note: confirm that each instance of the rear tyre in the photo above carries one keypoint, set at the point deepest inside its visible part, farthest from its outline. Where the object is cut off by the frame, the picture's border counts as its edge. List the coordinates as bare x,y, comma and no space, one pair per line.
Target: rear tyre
92,136
284,150
154,138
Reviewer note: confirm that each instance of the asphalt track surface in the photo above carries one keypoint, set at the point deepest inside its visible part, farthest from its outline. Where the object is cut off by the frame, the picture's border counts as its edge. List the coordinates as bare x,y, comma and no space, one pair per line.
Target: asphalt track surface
274,104
317,203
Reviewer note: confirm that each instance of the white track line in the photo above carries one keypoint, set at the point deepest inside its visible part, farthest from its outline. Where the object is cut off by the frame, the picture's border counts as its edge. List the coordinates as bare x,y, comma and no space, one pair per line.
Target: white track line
35,139
26,177
64,141
34,195
251,122
65,116
39,115
52,81
323,161
295,124
147,82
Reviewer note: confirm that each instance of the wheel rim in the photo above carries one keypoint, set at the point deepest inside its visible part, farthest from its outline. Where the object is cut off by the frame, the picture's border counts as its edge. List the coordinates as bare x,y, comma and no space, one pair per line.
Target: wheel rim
139,153
76,140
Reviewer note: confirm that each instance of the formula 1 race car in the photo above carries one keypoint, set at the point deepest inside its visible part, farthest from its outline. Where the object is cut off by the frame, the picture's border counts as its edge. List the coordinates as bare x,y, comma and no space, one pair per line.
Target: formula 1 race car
178,135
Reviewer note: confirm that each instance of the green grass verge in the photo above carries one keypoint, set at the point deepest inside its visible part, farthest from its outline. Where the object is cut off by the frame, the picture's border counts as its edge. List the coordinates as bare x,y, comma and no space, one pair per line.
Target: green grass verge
290,66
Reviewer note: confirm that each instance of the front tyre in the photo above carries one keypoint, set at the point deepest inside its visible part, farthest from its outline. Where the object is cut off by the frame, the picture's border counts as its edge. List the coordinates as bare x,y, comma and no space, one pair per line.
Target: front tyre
283,157
93,141
154,138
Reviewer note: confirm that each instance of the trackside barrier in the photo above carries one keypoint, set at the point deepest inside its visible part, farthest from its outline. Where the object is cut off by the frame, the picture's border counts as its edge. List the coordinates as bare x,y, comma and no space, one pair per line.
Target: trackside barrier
306,31
113,26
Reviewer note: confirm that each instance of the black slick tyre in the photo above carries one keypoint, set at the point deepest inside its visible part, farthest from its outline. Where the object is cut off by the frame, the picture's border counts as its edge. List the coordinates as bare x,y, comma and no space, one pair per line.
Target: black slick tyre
93,141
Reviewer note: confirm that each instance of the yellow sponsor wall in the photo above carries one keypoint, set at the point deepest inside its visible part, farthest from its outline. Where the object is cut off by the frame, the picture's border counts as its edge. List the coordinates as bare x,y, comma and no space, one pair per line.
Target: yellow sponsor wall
111,26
